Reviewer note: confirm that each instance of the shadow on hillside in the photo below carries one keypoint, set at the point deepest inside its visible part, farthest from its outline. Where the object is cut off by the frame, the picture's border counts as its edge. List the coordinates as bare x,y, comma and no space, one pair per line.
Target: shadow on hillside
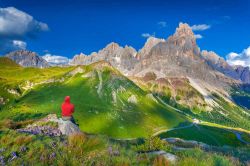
241,95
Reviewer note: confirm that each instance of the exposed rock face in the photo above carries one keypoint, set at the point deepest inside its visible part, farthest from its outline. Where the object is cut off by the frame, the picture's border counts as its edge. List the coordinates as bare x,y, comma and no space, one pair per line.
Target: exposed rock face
168,156
121,58
150,43
67,127
81,59
179,56
244,73
132,99
76,71
219,64
27,59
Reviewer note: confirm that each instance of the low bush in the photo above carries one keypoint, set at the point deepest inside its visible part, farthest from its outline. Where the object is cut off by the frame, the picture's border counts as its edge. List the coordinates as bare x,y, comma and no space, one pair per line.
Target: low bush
151,144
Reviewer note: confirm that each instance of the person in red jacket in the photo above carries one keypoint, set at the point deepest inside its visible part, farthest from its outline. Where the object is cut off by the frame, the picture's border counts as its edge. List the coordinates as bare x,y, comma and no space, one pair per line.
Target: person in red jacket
68,110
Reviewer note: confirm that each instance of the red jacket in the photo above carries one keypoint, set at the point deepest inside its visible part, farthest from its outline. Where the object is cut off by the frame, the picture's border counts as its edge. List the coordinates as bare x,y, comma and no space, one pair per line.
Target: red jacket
67,107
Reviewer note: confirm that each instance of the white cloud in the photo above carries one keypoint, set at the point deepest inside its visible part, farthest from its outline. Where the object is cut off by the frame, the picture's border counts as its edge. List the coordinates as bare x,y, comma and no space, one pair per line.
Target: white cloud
162,24
11,45
16,23
56,59
147,35
15,27
198,36
200,27
242,58
20,44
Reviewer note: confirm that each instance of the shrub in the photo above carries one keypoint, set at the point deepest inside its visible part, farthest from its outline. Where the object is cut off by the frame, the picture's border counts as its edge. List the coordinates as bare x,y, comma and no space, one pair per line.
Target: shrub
151,144
177,98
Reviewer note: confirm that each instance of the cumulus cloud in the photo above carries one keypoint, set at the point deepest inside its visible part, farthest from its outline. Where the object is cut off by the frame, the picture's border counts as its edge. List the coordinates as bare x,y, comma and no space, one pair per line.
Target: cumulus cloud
20,44
200,27
198,36
147,35
162,24
16,23
15,27
56,59
242,58
11,45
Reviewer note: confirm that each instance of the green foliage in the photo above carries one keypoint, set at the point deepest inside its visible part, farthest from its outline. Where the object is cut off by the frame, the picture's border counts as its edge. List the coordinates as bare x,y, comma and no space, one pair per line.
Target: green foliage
106,112
206,134
195,157
151,144
81,149
177,98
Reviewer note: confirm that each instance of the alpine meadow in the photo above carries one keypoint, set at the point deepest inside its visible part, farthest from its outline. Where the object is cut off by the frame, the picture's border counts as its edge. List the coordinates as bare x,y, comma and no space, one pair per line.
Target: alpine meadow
164,99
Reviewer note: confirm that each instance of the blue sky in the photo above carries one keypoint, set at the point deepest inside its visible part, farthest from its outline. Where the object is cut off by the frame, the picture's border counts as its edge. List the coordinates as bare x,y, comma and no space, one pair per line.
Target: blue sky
75,26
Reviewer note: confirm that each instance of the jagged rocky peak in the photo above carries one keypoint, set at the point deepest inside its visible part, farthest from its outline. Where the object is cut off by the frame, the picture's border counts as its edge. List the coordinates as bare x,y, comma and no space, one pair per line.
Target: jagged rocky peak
130,50
27,58
112,46
79,59
150,43
184,30
212,56
183,41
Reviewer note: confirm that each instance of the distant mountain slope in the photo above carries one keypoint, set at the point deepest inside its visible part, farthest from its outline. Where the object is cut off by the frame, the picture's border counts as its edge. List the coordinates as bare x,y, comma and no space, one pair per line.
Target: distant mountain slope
7,62
27,59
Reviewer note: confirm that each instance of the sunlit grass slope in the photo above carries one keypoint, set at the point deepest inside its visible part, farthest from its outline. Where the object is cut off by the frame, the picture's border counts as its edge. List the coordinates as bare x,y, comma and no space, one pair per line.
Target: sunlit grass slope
105,101
206,134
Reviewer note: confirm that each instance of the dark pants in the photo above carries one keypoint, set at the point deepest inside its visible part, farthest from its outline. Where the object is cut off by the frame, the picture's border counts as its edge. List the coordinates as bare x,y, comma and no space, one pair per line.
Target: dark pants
69,118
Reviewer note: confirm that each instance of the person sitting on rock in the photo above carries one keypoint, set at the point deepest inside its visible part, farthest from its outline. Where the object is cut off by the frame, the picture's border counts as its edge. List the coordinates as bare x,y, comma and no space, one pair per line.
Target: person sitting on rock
68,110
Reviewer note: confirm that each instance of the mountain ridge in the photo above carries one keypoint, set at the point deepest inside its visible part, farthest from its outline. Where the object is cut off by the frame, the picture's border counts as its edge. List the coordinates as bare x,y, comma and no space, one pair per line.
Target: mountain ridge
177,48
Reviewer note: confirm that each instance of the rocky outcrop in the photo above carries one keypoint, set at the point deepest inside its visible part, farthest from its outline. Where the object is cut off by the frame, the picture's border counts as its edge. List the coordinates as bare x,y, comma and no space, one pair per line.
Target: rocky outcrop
27,59
67,127
187,143
57,128
132,99
168,156
76,71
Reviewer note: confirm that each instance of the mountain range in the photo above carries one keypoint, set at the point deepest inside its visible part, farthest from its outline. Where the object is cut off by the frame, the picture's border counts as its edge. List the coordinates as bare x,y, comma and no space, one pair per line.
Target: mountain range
169,90
177,55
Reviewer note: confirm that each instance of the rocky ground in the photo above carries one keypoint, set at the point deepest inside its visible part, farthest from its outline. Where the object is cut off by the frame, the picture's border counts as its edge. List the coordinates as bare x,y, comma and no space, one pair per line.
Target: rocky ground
51,126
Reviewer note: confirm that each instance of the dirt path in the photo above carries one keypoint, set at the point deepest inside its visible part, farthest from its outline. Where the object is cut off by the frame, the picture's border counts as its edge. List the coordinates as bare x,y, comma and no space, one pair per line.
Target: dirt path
176,128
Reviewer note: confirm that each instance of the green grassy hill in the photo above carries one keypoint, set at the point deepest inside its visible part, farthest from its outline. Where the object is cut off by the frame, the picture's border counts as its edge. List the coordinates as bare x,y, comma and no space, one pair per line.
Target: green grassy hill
105,101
